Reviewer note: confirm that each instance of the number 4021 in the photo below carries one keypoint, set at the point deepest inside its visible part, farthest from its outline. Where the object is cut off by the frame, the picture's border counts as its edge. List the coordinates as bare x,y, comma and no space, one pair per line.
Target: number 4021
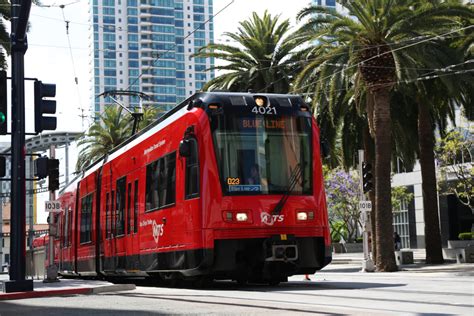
264,110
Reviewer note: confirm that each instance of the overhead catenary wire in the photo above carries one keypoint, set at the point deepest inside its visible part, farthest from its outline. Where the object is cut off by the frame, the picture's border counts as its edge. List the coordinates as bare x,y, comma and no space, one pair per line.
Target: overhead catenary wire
421,78
169,50
390,52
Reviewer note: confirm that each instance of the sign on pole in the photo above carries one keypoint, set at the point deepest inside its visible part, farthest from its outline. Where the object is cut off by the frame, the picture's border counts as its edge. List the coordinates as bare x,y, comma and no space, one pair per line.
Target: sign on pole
365,206
52,206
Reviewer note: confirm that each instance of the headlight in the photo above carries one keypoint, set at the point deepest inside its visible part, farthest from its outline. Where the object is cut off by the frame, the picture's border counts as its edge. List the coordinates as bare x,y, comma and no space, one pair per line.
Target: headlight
241,217
260,101
301,216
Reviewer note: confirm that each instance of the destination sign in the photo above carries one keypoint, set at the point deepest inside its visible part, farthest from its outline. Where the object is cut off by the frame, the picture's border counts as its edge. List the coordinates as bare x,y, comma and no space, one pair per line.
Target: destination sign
245,188
262,123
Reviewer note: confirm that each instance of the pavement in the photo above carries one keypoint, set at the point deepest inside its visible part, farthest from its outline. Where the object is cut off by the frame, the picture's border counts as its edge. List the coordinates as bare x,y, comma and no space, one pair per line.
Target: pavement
352,262
64,287
343,262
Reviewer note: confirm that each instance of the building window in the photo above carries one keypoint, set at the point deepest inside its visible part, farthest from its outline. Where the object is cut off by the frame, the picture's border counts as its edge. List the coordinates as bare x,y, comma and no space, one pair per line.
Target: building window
401,224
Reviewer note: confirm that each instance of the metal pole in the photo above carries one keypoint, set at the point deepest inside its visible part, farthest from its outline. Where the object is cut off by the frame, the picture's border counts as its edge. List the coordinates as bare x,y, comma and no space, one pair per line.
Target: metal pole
67,162
367,263
20,12
52,269
1,231
30,204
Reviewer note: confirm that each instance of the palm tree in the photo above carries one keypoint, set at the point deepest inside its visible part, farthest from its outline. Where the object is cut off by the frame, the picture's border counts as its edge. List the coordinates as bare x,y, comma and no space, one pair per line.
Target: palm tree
111,129
150,115
372,43
4,34
261,62
435,100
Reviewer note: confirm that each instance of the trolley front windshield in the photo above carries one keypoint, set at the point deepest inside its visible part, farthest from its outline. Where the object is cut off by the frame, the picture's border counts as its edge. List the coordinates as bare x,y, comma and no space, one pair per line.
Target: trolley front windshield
264,154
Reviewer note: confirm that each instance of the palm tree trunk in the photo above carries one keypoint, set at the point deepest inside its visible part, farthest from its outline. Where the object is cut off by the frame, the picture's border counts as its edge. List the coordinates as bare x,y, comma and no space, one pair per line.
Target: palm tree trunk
383,205
428,174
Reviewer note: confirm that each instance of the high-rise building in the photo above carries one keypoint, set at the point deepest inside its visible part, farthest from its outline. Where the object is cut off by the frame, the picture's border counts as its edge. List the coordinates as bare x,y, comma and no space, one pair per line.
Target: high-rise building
327,3
330,4
146,46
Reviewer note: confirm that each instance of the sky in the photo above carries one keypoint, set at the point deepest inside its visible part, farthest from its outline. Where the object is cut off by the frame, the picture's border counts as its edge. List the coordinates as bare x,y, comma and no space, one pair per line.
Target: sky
50,59
61,56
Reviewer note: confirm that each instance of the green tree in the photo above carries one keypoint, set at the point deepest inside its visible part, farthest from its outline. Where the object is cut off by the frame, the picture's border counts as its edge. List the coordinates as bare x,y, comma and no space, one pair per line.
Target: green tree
455,154
373,45
150,115
261,60
342,192
111,129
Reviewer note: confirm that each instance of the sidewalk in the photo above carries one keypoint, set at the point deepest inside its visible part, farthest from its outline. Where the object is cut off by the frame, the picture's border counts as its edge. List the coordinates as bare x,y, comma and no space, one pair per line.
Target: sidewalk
356,257
352,262
64,287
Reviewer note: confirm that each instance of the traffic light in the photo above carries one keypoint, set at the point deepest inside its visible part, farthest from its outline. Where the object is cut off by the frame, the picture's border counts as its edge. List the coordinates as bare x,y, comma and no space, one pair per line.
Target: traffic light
367,177
3,103
3,166
53,174
42,106
41,167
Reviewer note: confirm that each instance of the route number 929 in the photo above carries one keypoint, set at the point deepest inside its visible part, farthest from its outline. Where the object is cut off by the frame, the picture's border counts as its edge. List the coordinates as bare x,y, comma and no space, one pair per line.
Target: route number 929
264,110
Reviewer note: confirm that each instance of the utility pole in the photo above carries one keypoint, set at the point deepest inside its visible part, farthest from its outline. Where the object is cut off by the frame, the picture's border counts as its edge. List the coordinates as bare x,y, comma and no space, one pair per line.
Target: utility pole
365,208
20,10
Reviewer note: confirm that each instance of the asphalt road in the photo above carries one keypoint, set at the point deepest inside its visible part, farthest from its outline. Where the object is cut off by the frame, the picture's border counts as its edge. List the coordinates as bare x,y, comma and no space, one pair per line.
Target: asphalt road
338,290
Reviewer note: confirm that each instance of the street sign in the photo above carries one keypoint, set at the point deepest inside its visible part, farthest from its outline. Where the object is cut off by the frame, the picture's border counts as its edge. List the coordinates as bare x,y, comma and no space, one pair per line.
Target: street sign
52,206
365,206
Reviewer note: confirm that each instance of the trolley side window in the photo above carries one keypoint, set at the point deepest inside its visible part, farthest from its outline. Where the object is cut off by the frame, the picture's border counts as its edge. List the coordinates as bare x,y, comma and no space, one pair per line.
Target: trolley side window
108,224
69,232
161,183
129,210
135,208
86,219
65,228
120,207
192,171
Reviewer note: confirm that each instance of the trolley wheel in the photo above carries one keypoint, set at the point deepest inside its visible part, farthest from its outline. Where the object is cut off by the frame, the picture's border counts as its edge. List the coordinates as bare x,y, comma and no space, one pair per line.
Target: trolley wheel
242,281
274,282
202,282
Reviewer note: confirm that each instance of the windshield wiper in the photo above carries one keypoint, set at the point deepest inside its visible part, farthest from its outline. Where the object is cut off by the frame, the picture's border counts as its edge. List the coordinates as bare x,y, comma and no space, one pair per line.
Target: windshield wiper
294,179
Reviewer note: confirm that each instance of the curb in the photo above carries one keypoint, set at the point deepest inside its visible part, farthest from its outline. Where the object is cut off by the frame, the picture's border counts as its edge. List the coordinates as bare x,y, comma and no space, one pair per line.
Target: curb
113,288
62,292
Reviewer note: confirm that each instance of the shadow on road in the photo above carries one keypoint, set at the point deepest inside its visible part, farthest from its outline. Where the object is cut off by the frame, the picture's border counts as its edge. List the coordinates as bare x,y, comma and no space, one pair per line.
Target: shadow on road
227,285
15,309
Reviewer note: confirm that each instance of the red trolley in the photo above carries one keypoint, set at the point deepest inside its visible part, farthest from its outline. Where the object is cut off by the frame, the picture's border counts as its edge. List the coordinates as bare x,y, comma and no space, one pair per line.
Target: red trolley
224,186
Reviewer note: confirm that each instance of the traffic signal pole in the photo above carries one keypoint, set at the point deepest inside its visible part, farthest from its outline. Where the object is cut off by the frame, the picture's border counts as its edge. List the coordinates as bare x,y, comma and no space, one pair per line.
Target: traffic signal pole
20,13
52,269
367,263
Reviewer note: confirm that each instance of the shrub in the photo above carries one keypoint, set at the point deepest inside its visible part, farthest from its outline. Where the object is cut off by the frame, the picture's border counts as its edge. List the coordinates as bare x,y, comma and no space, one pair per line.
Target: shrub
466,236
359,240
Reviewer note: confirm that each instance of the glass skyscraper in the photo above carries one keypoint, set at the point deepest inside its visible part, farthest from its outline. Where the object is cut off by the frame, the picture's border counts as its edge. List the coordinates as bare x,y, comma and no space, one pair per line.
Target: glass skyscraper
330,4
146,46
327,3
